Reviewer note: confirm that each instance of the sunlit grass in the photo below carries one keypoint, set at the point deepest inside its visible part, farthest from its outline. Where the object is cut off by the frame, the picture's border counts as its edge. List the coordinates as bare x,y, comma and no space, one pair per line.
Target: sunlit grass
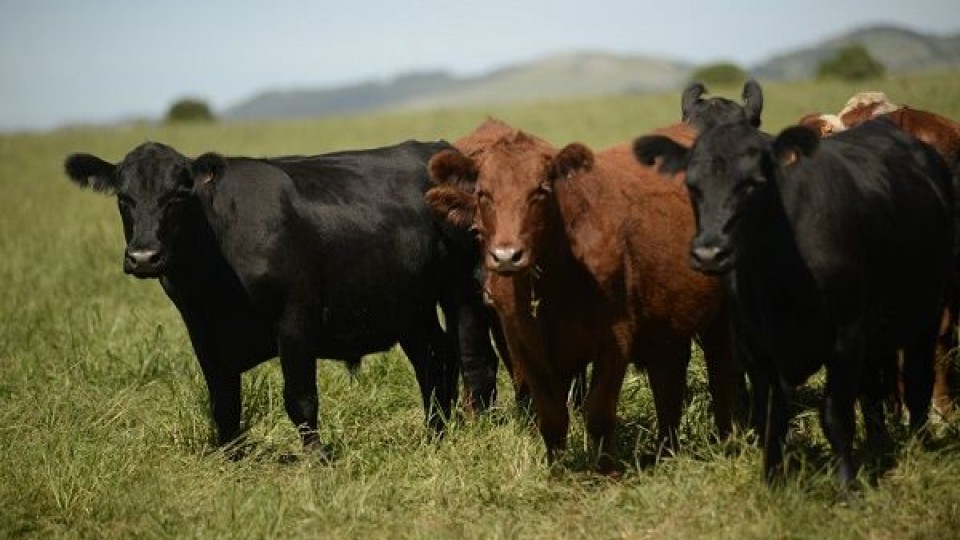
103,424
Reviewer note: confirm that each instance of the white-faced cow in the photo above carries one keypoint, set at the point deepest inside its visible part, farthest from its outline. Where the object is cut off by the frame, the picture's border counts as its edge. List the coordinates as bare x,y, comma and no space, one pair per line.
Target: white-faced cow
836,252
330,256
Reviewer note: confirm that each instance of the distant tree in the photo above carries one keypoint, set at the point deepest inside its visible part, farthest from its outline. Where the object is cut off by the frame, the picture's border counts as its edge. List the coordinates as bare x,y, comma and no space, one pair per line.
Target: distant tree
719,74
189,110
852,63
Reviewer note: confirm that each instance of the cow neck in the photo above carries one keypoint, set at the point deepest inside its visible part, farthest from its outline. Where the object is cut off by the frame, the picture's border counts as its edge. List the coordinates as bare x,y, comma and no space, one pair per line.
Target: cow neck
766,241
195,250
559,279
554,283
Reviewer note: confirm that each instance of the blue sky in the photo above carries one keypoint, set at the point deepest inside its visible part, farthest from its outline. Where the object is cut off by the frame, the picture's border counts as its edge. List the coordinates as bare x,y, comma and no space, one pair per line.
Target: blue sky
69,61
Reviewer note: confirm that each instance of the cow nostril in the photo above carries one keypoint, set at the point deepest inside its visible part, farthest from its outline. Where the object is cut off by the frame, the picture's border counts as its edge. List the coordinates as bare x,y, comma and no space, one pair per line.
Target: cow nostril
517,255
144,256
710,254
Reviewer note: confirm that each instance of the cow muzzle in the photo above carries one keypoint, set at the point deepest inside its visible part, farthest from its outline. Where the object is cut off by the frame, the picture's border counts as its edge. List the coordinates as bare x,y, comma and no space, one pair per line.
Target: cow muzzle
711,259
144,263
507,260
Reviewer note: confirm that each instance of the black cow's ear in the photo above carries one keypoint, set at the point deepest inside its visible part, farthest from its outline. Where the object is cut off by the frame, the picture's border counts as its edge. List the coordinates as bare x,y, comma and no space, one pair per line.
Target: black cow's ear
87,170
753,102
692,95
650,147
573,158
453,168
208,168
793,142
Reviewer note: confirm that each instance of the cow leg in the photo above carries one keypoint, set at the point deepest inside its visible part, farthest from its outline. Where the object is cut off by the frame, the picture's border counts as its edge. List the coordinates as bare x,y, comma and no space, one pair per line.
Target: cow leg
468,323
723,377
946,346
520,388
223,383
918,379
224,390
837,416
667,371
777,415
434,363
299,369
553,420
601,409
876,386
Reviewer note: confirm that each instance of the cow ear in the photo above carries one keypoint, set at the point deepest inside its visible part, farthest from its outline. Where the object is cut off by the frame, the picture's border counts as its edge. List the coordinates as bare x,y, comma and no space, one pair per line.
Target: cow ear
453,168
650,147
753,102
208,168
87,170
690,97
574,157
794,142
452,198
452,204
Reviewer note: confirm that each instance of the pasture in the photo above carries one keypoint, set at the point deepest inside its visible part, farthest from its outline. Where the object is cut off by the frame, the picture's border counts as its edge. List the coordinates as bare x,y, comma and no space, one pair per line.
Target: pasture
104,429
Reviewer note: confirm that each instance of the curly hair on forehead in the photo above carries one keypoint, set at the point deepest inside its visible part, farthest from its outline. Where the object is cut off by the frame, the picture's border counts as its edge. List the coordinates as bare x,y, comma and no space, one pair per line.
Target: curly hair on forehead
864,106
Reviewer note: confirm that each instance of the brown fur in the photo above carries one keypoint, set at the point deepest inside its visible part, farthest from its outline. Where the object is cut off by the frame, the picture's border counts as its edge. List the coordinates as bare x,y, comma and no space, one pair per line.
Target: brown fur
938,131
822,124
605,277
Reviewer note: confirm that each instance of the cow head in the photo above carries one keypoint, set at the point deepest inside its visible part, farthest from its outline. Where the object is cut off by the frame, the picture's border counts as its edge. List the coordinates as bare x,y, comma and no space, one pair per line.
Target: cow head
729,173
506,195
154,185
705,113
823,125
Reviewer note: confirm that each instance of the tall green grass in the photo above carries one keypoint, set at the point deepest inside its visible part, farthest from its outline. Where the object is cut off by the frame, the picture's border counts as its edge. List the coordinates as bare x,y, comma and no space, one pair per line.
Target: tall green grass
103,424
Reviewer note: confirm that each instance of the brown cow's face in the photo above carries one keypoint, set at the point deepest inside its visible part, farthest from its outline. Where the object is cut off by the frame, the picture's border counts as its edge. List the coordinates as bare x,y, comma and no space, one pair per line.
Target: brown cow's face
506,195
514,194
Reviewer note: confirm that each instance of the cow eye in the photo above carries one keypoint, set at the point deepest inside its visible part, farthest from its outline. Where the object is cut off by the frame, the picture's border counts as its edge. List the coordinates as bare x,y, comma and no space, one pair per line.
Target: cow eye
541,193
174,197
746,187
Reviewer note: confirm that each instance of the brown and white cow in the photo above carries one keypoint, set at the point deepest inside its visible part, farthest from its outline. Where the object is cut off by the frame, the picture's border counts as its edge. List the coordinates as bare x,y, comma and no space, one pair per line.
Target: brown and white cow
587,262
943,134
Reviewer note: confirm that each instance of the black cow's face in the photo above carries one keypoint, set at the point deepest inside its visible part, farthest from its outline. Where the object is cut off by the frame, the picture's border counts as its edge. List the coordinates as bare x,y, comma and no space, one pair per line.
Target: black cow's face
728,172
153,185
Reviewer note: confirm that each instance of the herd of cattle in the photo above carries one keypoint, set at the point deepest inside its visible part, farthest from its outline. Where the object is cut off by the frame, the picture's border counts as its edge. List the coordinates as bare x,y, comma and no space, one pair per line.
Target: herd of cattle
834,244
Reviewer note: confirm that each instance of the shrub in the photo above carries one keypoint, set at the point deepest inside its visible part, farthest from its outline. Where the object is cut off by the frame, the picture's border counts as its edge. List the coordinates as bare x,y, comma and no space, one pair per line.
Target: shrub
189,110
852,63
719,74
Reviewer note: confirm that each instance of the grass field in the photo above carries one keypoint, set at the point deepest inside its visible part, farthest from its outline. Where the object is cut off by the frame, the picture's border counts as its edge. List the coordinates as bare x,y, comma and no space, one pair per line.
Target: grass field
103,422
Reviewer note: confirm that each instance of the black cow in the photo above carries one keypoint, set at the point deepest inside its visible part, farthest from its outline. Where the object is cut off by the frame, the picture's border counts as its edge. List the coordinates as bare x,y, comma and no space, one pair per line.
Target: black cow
836,252
704,113
329,256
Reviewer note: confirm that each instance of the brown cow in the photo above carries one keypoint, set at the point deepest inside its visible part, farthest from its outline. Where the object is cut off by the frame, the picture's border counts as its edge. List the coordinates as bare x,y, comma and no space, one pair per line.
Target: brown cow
587,261
944,135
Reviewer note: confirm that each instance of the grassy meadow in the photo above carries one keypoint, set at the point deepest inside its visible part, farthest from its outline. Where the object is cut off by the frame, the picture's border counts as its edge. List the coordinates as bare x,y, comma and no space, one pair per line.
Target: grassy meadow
103,416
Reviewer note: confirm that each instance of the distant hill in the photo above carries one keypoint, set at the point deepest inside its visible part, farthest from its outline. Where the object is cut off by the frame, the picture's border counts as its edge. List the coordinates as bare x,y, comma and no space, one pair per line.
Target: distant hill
567,75
900,50
586,74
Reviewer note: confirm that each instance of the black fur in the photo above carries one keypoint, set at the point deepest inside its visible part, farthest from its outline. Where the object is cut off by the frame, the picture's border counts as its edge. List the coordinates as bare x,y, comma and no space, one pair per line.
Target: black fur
329,256
835,252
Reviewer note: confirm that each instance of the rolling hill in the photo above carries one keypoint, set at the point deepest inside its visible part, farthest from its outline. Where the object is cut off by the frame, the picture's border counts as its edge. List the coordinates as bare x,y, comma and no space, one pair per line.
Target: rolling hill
900,50
585,74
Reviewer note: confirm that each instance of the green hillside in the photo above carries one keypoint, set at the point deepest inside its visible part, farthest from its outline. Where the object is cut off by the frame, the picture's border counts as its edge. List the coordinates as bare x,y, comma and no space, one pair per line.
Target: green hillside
901,51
